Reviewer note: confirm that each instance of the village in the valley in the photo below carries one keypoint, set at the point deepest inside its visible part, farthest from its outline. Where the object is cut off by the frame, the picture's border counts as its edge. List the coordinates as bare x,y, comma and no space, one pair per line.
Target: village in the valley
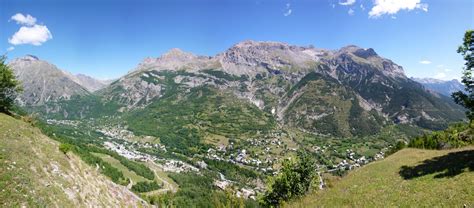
122,141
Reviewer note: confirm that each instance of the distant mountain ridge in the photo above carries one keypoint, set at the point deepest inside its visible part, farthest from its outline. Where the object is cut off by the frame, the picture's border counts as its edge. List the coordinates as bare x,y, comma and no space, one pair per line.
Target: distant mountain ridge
44,82
90,83
444,87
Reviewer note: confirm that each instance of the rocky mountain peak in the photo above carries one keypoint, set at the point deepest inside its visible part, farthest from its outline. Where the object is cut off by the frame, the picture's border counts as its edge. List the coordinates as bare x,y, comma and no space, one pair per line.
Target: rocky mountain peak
358,51
43,82
250,57
174,59
255,45
176,53
25,59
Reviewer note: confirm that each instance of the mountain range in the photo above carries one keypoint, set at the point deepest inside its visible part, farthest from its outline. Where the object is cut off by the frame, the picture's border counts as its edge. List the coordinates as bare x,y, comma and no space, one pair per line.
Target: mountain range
345,92
444,87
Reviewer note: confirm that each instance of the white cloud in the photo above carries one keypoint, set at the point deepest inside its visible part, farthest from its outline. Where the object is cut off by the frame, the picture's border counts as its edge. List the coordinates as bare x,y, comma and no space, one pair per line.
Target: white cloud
392,7
362,7
347,2
34,35
287,10
440,66
11,48
448,70
350,12
440,75
425,62
21,19
422,6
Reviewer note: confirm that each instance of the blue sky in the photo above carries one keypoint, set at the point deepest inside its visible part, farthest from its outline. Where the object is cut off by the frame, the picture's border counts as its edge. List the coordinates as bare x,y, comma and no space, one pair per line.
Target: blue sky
106,38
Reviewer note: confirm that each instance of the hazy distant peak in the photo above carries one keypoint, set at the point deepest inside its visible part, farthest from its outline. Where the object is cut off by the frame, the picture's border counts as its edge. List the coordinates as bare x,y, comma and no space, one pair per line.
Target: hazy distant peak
90,83
445,87
429,80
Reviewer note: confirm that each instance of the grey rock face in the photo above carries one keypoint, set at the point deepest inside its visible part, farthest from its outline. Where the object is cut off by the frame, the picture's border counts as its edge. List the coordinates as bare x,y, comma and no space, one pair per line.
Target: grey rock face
175,59
43,82
259,61
251,58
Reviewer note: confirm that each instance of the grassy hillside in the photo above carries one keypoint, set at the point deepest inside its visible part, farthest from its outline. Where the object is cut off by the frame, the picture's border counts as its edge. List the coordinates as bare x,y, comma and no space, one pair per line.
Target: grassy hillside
34,173
410,177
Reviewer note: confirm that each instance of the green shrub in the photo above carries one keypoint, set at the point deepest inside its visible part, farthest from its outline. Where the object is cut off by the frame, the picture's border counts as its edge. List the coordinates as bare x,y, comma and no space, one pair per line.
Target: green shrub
144,186
456,135
9,87
293,181
65,147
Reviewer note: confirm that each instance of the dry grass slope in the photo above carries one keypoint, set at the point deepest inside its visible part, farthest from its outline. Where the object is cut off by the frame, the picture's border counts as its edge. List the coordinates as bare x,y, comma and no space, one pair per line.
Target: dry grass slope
409,178
34,173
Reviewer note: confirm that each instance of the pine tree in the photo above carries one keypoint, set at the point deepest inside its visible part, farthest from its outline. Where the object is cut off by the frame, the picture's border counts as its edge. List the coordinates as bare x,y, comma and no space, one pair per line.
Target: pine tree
9,87
466,99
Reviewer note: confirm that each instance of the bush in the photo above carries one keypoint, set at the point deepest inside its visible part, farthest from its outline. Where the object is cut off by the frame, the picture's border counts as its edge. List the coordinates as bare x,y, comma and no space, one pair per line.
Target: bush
144,186
138,168
65,147
293,181
9,87
456,135
398,146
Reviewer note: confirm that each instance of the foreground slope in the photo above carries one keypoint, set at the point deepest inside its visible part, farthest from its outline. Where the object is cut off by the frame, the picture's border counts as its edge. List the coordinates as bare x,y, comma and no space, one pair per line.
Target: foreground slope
33,172
410,177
